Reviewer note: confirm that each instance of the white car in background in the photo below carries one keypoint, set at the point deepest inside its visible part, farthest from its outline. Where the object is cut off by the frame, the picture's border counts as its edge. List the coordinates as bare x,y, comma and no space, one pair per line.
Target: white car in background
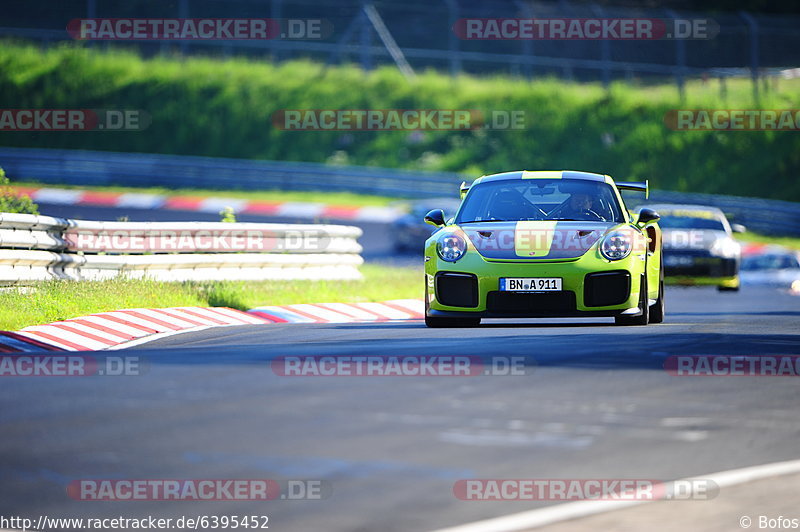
772,267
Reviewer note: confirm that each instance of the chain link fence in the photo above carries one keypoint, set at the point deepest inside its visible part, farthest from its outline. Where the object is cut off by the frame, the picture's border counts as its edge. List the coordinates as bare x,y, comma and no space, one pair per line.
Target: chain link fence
425,34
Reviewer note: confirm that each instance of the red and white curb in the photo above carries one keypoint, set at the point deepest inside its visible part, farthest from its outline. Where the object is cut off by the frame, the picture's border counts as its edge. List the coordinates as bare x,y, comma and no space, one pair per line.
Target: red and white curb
397,309
125,328
62,196
109,330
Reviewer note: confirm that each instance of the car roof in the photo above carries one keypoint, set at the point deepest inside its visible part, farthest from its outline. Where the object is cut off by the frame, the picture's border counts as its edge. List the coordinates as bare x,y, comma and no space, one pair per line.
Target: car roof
543,174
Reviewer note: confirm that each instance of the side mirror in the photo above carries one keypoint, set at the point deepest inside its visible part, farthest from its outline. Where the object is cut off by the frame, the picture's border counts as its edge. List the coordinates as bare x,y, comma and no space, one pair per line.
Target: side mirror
738,228
647,216
435,217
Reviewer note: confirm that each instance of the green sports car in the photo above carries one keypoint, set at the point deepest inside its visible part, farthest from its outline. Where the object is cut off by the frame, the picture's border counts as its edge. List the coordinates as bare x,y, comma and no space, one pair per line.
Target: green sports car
544,244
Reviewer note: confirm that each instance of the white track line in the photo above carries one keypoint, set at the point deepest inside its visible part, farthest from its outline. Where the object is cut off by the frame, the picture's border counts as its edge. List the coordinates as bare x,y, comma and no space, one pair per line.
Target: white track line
574,510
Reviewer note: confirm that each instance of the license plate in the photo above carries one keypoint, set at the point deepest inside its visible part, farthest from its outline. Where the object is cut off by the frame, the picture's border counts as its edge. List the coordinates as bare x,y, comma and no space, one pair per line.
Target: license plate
678,260
530,284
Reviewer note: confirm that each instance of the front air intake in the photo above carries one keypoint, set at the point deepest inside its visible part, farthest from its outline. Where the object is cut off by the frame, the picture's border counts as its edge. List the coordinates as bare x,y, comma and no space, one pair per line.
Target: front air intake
606,288
457,289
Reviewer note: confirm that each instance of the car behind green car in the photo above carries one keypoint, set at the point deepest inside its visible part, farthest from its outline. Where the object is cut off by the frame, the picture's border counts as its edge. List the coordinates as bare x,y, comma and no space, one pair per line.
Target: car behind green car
699,248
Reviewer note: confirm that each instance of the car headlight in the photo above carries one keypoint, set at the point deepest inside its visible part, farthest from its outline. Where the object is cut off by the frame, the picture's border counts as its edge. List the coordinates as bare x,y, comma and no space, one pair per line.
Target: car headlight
451,247
616,246
726,248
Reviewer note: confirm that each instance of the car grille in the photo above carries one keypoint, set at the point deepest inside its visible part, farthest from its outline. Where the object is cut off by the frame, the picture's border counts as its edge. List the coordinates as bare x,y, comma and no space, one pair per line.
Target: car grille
698,264
530,302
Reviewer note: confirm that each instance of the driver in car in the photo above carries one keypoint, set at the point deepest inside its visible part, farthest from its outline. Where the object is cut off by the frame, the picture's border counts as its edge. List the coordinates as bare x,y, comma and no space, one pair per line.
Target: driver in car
578,206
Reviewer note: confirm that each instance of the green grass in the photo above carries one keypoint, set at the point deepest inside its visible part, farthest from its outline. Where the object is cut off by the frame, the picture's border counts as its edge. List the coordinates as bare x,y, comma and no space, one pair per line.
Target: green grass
59,300
329,198
220,107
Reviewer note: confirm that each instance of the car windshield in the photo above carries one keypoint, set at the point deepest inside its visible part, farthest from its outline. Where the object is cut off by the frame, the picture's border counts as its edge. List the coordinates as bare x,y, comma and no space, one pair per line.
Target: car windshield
540,199
697,220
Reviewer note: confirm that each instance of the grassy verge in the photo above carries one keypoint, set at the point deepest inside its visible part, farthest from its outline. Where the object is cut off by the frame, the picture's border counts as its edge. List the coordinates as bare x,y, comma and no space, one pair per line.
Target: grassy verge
313,196
59,300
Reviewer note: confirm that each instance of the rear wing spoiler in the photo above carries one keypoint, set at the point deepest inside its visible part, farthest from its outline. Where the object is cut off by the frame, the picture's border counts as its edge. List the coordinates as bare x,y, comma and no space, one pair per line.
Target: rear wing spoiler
640,186
463,189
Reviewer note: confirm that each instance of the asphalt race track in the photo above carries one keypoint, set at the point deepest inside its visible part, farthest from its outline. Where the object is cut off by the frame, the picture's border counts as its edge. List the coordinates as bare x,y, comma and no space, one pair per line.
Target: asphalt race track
595,402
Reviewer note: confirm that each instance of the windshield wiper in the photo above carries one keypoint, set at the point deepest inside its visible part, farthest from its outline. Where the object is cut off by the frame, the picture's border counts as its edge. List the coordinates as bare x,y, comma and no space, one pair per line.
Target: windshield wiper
483,221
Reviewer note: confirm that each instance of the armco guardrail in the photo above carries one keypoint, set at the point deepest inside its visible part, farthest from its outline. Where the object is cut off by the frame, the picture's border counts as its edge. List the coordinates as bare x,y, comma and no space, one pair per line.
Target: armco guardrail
767,217
77,167
36,248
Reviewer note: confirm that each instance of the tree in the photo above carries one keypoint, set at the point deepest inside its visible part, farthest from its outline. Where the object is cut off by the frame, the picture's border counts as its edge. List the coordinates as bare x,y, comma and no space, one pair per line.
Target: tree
11,202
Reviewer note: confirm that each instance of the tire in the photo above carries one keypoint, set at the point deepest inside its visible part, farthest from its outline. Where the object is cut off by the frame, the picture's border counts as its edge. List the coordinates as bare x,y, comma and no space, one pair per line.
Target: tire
441,323
644,308
728,288
657,311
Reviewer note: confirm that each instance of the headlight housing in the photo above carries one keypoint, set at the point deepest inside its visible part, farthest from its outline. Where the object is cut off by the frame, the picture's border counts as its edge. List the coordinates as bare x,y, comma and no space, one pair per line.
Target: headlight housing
451,246
616,245
726,248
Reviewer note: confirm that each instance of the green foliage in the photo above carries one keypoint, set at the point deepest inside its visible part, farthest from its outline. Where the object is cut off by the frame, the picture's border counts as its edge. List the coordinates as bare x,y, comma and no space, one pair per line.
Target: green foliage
10,202
224,108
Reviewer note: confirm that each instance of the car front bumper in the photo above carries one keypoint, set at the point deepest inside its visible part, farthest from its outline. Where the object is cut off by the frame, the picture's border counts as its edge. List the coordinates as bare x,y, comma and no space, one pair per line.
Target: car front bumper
700,264
591,287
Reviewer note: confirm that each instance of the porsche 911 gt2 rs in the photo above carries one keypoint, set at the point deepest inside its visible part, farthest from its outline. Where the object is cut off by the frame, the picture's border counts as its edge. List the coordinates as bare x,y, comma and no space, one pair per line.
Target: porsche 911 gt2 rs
544,244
